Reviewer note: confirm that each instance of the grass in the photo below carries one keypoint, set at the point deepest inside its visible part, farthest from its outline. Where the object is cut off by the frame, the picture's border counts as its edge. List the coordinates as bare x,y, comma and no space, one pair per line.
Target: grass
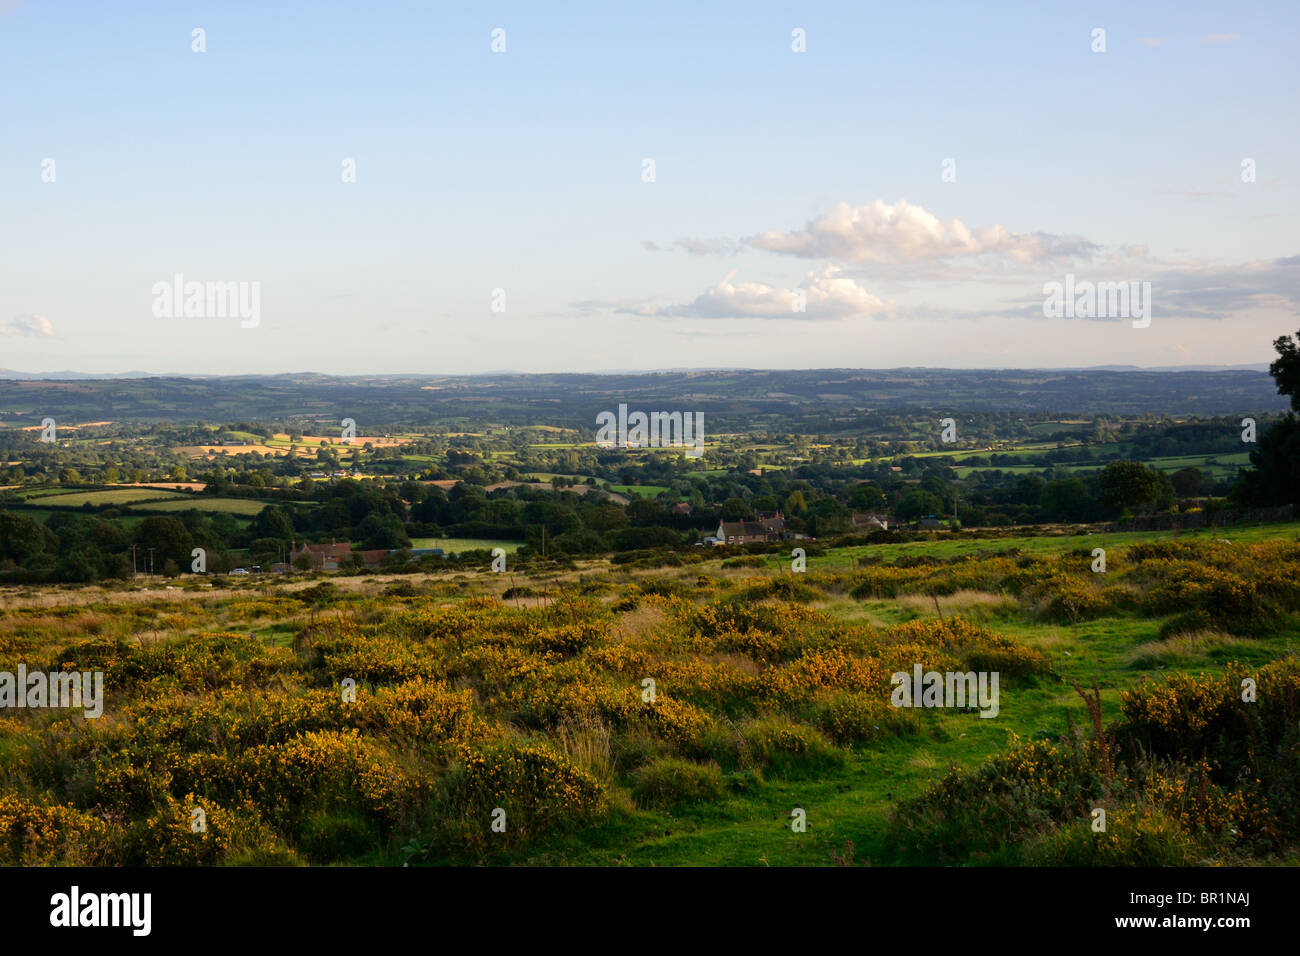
111,496
947,547
235,506
456,545
644,491
668,813
1212,465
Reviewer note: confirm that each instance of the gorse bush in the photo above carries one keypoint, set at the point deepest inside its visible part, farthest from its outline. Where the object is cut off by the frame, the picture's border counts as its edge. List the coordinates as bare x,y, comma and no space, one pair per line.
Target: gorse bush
1189,772
460,709
1202,585
650,693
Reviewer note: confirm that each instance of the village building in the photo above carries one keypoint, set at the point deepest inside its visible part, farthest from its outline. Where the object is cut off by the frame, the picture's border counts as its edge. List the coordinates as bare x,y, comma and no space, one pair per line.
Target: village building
767,526
327,557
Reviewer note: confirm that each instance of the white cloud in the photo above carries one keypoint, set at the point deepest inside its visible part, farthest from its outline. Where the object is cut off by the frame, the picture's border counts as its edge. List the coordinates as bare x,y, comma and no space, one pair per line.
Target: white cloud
29,324
696,247
827,295
882,233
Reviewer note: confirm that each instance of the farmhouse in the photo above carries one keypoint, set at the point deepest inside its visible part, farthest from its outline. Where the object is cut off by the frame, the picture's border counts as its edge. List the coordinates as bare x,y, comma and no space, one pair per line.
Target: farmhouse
326,557
769,526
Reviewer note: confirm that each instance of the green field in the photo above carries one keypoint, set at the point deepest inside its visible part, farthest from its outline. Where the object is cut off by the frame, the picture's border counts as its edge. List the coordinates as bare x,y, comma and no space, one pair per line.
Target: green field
457,545
1222,465
111,496
234,506
644,491
948,547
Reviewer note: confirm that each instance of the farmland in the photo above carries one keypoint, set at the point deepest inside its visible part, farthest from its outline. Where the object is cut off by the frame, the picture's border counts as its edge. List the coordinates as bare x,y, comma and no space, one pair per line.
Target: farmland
625,692
457,545
234,506
107,496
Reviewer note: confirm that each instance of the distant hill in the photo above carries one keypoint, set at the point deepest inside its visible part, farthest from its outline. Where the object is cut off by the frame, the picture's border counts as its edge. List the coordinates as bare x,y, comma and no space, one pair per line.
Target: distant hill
11,374
1255,367
830,401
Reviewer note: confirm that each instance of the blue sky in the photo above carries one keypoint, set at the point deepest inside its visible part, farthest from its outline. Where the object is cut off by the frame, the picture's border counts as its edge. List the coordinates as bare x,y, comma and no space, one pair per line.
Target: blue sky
775,171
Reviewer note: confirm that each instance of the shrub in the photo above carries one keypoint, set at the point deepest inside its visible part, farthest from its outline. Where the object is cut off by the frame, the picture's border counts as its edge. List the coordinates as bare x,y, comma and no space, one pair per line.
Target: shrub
672,782
538,788
33,834
789,749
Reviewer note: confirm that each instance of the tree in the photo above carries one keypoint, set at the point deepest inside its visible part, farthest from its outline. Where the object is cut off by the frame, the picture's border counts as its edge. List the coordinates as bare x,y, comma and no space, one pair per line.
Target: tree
22,538
79,565
734,509
635,539
866,497
1286,368
273,522
1066,499
382,532
585,542
265,550
169,538
1274,477
917,503
1128,486
1187,482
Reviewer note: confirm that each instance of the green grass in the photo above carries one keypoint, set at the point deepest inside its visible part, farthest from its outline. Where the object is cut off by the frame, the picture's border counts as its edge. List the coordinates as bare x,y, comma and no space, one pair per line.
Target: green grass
644,491
111,496
1225,464
750,827
943,547
1054,427
456,545
749,824
235,506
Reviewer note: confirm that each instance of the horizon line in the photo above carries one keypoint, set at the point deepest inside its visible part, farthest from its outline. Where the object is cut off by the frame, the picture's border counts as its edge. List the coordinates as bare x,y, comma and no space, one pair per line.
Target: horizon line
15,375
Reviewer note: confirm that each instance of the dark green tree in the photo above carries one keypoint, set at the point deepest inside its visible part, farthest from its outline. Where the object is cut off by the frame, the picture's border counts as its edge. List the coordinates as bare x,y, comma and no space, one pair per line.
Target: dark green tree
1286,368
1274,477
1130,486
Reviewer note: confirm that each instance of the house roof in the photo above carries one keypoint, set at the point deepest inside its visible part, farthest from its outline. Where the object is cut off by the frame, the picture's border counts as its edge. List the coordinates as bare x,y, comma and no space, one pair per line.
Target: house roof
331,551
748,529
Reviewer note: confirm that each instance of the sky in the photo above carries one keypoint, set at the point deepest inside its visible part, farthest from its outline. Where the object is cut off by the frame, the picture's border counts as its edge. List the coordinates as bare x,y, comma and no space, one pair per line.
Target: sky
628,186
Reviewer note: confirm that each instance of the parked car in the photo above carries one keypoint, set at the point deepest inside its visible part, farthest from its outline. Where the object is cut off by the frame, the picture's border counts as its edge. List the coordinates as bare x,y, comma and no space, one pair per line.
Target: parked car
240,571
